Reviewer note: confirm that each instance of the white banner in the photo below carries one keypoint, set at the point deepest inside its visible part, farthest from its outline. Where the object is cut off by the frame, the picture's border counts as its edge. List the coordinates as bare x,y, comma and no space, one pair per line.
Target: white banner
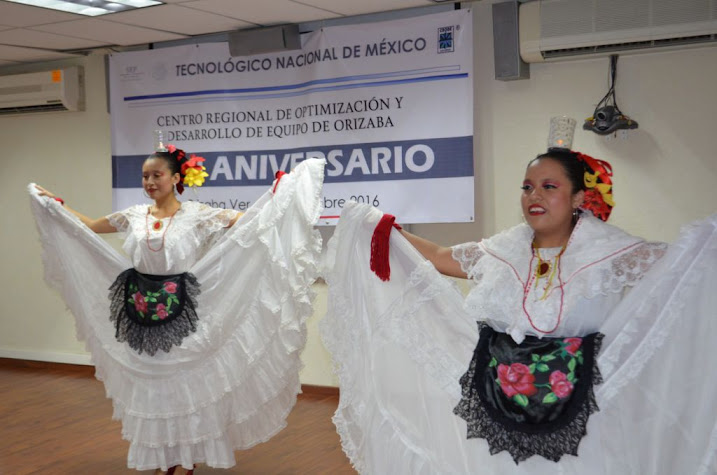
389,105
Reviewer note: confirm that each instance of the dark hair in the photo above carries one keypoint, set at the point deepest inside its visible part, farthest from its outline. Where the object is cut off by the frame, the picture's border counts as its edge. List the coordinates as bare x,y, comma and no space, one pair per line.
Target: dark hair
573,167
175,166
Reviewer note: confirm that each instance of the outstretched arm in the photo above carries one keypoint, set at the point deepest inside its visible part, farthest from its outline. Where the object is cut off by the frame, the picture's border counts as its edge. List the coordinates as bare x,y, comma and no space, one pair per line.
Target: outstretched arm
100,226
441,257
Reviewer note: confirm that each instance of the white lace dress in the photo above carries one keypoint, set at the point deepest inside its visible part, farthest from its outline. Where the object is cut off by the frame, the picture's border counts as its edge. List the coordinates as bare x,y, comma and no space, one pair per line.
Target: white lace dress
232,382
401,347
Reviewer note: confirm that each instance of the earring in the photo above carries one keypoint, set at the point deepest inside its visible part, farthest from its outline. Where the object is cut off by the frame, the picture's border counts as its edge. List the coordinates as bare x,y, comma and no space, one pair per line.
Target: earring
576,215
144,192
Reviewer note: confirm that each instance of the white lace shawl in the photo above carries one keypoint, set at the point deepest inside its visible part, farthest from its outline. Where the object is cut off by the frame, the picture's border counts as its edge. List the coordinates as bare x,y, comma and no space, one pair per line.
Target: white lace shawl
187,236
599,262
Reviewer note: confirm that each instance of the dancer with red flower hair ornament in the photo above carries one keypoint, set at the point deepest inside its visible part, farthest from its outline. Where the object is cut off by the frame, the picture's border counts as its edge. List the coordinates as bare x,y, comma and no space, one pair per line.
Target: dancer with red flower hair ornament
583,360
198,344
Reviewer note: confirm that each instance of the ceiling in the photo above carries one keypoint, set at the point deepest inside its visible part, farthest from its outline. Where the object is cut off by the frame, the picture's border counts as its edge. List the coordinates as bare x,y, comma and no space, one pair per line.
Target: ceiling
30,34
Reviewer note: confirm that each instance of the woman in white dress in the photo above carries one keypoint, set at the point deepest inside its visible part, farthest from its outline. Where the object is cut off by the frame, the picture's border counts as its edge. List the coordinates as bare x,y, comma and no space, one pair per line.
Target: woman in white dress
198,345
566,372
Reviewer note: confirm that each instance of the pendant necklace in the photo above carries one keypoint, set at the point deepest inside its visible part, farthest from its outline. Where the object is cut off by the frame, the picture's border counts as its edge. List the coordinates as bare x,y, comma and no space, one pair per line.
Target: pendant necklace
157,225
541,269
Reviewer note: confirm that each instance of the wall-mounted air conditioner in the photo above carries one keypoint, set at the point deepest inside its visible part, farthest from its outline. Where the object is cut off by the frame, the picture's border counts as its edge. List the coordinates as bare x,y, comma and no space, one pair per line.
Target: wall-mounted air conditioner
566,29
56,90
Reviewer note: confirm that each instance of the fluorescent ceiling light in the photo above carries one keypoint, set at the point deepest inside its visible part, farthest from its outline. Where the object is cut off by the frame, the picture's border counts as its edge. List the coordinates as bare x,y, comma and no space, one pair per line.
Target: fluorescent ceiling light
90,7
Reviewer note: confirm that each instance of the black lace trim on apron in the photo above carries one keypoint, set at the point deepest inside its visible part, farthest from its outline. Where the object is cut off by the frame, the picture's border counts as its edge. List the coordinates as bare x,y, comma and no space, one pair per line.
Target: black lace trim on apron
530,399
153,312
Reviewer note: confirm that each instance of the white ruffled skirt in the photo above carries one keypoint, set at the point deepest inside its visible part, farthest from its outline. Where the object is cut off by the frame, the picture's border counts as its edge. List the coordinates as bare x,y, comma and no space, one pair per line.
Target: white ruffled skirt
401,346
232,383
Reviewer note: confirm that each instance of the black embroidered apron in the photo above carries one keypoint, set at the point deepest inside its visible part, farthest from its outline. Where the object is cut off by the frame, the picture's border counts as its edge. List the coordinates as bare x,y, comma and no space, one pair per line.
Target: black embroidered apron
153,312
532,398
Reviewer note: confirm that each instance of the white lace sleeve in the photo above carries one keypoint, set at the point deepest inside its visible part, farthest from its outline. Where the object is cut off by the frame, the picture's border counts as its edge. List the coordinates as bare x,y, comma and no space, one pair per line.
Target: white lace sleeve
212,220
627,270
467,254
119,220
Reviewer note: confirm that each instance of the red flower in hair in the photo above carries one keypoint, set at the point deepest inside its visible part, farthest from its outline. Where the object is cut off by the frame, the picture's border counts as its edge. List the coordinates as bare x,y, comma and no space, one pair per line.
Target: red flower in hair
193,162
179,152
596,205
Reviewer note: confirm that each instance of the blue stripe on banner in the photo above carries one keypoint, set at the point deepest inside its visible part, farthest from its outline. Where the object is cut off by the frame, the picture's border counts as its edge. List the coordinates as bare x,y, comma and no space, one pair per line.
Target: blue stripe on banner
400,160
304,92
314,82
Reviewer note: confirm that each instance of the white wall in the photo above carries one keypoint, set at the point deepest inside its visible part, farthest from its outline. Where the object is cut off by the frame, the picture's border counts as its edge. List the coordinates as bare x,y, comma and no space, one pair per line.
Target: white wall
665,172
68,152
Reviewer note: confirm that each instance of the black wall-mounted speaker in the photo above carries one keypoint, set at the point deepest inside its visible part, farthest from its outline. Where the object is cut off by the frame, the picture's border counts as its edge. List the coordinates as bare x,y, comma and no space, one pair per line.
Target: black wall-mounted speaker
506,43
264,40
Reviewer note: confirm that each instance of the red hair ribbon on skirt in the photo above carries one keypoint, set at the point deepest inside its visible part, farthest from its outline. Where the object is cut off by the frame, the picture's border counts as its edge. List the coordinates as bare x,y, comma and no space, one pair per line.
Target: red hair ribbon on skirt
279,174
380,246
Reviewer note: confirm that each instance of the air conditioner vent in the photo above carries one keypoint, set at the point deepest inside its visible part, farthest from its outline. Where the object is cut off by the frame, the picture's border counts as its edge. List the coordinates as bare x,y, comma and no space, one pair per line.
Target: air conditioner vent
56,90
561,29
687,40
635,45
38,108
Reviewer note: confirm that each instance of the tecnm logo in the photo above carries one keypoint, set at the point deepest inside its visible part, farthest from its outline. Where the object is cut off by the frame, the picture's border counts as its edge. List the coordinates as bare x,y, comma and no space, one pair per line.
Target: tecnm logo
446,43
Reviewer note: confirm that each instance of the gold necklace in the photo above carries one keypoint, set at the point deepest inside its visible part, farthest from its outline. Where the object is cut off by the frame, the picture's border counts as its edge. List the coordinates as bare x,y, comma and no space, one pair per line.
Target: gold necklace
544,267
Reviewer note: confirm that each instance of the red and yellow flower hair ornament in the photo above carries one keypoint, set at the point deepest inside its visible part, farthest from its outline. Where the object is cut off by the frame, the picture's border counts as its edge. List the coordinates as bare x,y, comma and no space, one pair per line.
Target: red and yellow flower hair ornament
598,181
194,172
